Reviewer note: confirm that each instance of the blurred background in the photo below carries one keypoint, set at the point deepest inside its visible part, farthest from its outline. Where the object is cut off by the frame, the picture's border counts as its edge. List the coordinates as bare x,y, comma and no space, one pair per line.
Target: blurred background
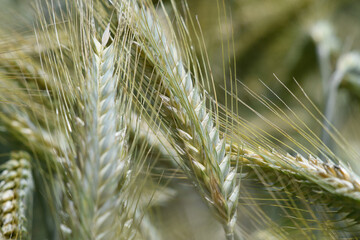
255,42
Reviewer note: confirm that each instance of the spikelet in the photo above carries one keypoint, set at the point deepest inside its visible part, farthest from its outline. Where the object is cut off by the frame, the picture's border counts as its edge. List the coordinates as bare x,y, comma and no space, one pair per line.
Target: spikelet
16,187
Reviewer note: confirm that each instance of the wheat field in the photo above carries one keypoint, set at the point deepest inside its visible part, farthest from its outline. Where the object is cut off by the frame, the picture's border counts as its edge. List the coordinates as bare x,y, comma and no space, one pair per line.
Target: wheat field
175,119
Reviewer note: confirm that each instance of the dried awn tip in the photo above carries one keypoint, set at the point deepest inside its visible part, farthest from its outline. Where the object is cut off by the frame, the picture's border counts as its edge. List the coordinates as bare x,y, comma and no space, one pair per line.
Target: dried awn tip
16,186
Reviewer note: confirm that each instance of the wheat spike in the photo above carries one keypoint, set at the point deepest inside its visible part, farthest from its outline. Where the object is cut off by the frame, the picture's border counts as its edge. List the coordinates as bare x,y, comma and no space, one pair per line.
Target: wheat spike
90,86
342,184
103,156
196,137
16,186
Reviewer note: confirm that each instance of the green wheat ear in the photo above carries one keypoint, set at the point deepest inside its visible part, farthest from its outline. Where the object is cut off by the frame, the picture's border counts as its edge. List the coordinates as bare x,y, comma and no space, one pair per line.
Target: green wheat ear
336,181
195,135
102,143
16,191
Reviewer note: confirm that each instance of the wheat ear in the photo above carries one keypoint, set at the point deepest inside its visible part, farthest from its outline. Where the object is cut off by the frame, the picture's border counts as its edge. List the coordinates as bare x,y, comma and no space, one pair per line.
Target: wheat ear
102,153
340,183
95,200
196,137
16,190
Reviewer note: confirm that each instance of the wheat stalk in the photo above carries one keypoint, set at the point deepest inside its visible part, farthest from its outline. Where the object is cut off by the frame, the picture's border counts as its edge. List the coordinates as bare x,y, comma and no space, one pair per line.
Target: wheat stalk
28,109
16,186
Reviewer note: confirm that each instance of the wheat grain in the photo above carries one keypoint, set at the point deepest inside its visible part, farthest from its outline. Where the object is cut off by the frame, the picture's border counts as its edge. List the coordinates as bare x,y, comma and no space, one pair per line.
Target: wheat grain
16,188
